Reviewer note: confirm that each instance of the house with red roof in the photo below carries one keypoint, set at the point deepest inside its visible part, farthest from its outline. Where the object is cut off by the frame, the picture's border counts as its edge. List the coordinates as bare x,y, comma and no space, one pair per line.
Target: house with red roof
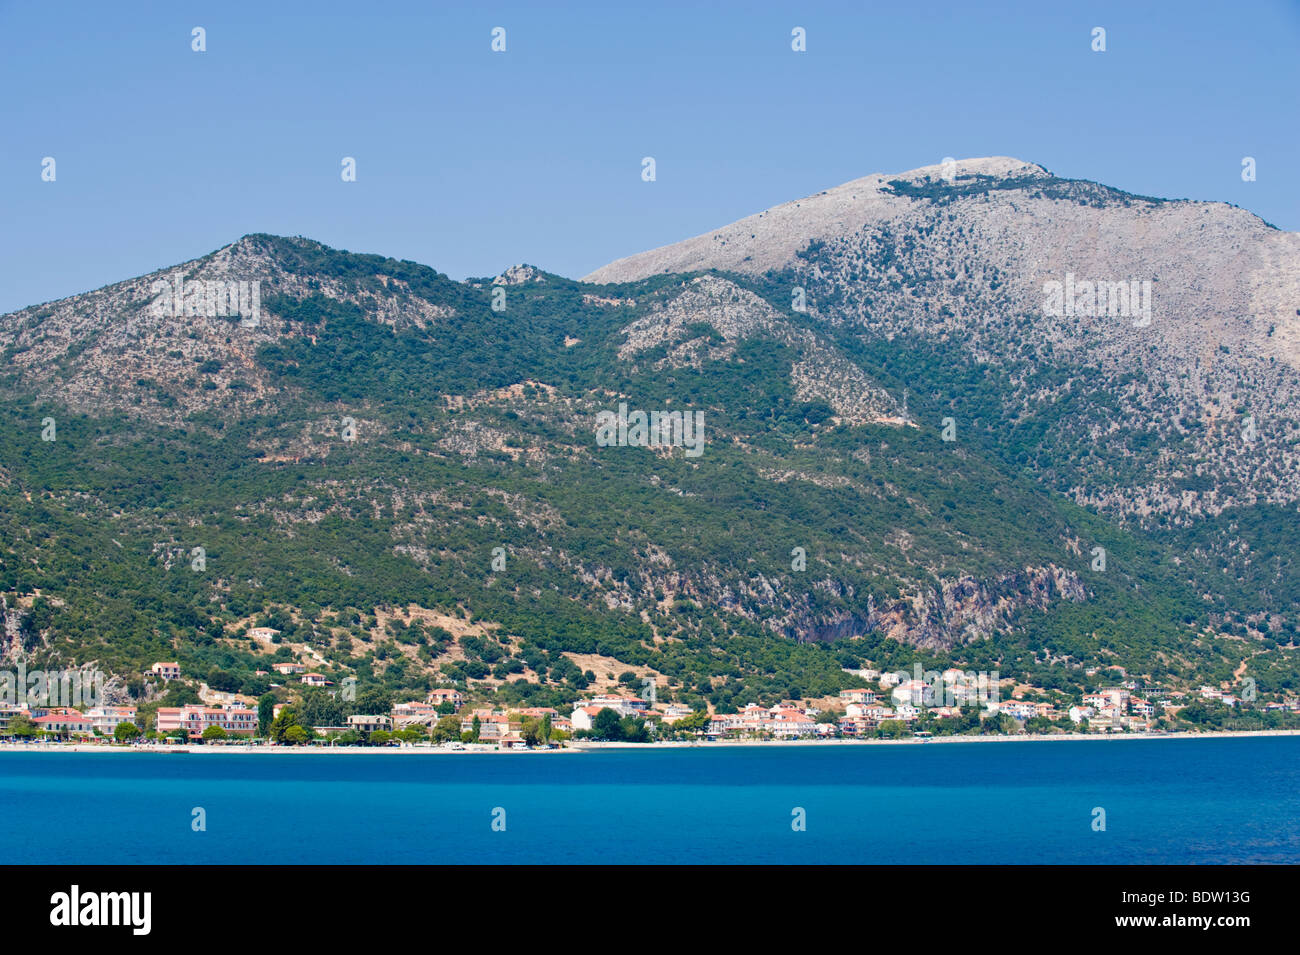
446,695
168,671
64,724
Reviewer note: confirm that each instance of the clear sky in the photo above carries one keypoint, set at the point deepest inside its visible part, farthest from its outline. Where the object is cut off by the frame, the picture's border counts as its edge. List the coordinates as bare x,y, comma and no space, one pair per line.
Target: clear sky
470,160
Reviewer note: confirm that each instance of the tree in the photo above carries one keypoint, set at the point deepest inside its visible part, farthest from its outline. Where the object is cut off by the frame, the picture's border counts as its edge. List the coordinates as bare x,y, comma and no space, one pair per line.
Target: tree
1039,724
893,729
22,727
969,721
374,699
318,708
180,694
475,729
213,732
295,734
226,682
530,730
447,730
633,730
281,725
696,722
265,713
606,725
125,731
999,725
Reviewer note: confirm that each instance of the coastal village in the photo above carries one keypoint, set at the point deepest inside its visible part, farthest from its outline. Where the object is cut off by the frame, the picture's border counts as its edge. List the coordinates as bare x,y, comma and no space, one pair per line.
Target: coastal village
893,705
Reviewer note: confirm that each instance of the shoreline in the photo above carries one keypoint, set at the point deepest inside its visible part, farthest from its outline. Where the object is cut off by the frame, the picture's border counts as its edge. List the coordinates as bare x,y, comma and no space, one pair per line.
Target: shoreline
593,746
1026,738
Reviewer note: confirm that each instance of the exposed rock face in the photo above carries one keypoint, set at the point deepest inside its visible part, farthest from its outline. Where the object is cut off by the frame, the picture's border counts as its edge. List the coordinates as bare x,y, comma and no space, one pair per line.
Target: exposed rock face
519,275
821,373
1141,356
124,347
953,612
1197,352
12,635
774,238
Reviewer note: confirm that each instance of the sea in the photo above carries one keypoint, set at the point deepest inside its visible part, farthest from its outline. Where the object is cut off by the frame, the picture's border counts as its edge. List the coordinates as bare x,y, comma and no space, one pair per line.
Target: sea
1110,801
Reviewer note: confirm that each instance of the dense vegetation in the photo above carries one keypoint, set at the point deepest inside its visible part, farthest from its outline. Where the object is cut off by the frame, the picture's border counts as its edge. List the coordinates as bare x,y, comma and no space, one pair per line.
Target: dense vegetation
647,560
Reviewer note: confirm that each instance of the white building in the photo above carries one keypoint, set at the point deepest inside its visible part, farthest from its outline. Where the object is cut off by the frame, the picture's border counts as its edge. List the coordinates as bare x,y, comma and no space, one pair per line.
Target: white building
865,673
622,705
786,722
369,724
675,711
1018,709
858,695
915,692
106,718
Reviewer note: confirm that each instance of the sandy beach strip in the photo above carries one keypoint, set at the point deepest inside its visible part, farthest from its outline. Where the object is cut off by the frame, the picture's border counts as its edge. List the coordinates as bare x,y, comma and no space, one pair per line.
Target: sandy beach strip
582,746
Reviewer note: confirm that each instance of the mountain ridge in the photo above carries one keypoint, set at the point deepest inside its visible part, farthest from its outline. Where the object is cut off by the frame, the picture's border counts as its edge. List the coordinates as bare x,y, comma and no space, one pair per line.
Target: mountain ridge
906,457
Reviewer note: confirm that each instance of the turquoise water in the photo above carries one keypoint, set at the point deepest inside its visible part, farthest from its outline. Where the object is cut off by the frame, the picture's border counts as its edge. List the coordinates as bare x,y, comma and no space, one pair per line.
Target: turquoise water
1169,801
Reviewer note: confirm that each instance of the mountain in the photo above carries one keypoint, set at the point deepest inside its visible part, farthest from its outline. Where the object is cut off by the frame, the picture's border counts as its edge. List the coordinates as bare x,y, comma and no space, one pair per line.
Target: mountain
895,440
964,261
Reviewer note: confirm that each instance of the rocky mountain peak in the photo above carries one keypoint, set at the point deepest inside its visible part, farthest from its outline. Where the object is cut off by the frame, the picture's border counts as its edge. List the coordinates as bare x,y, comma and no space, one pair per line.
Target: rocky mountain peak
519,275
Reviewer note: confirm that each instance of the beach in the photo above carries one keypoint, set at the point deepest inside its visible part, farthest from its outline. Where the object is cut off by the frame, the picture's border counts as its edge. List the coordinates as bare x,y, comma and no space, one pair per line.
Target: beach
579,746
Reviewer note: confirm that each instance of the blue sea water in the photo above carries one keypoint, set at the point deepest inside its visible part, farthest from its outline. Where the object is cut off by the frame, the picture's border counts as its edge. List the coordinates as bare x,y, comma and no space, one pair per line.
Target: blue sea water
1166,801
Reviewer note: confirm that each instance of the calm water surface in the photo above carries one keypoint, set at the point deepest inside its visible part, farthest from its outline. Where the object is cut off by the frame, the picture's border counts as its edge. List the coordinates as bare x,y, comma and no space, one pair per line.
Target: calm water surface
1166,801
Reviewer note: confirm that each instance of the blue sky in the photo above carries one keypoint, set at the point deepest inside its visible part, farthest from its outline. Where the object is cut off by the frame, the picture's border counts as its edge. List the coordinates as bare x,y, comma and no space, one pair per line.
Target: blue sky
470,160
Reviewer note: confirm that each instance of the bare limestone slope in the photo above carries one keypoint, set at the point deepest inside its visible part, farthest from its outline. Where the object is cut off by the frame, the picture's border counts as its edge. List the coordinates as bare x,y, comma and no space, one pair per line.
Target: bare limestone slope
1186,315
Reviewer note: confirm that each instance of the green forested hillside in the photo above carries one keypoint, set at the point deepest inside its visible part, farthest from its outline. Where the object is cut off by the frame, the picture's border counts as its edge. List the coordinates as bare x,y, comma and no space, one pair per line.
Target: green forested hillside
386,457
